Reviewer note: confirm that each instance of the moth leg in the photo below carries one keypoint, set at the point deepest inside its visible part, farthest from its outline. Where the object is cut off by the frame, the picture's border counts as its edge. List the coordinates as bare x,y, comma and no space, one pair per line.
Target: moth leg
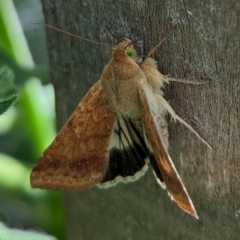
172,113
192,130
185,81
152,50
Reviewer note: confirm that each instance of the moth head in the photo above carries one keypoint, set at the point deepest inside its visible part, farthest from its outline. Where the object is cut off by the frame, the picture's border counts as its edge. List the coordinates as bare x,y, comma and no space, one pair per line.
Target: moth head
131,52
125,49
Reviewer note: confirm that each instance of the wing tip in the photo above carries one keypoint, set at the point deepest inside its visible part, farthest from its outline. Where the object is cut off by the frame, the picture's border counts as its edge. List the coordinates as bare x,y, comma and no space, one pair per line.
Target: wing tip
190,209
193,212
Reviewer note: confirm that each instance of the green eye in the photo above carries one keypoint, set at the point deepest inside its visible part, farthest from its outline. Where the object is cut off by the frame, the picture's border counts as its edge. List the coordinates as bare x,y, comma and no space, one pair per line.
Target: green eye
131,52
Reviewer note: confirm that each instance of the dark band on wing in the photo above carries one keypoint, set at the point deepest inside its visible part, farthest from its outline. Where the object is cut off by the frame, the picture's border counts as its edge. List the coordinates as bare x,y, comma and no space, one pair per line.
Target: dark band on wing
129,157
156,168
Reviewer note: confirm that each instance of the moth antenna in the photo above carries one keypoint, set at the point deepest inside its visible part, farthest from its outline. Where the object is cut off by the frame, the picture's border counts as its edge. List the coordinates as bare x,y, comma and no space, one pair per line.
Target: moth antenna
192,130
76,36
141,36
152,50
109,34
185,81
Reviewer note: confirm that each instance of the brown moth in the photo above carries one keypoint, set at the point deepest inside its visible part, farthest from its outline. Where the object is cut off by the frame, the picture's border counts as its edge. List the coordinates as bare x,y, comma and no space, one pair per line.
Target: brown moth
115,130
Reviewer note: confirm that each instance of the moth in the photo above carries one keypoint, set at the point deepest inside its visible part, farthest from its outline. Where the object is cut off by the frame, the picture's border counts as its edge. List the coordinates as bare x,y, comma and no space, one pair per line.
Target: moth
117,128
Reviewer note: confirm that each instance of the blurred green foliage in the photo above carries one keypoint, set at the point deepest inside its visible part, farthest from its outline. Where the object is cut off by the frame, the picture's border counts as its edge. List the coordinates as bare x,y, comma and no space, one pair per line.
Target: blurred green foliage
16,234
26,123
8,93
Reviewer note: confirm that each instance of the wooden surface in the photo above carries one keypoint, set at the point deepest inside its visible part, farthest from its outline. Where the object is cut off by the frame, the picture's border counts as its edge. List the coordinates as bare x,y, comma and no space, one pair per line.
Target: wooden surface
204,46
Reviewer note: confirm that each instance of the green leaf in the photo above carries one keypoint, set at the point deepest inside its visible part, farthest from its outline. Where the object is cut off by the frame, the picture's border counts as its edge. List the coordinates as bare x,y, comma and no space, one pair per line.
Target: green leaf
6,103
6,81
8,95
16,234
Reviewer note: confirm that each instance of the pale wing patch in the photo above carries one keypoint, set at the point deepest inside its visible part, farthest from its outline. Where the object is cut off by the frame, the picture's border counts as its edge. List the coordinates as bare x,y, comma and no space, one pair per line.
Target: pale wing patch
120,179
127,154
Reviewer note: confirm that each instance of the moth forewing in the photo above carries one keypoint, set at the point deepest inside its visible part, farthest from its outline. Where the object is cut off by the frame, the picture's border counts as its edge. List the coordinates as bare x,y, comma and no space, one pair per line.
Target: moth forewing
78,157
166,167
